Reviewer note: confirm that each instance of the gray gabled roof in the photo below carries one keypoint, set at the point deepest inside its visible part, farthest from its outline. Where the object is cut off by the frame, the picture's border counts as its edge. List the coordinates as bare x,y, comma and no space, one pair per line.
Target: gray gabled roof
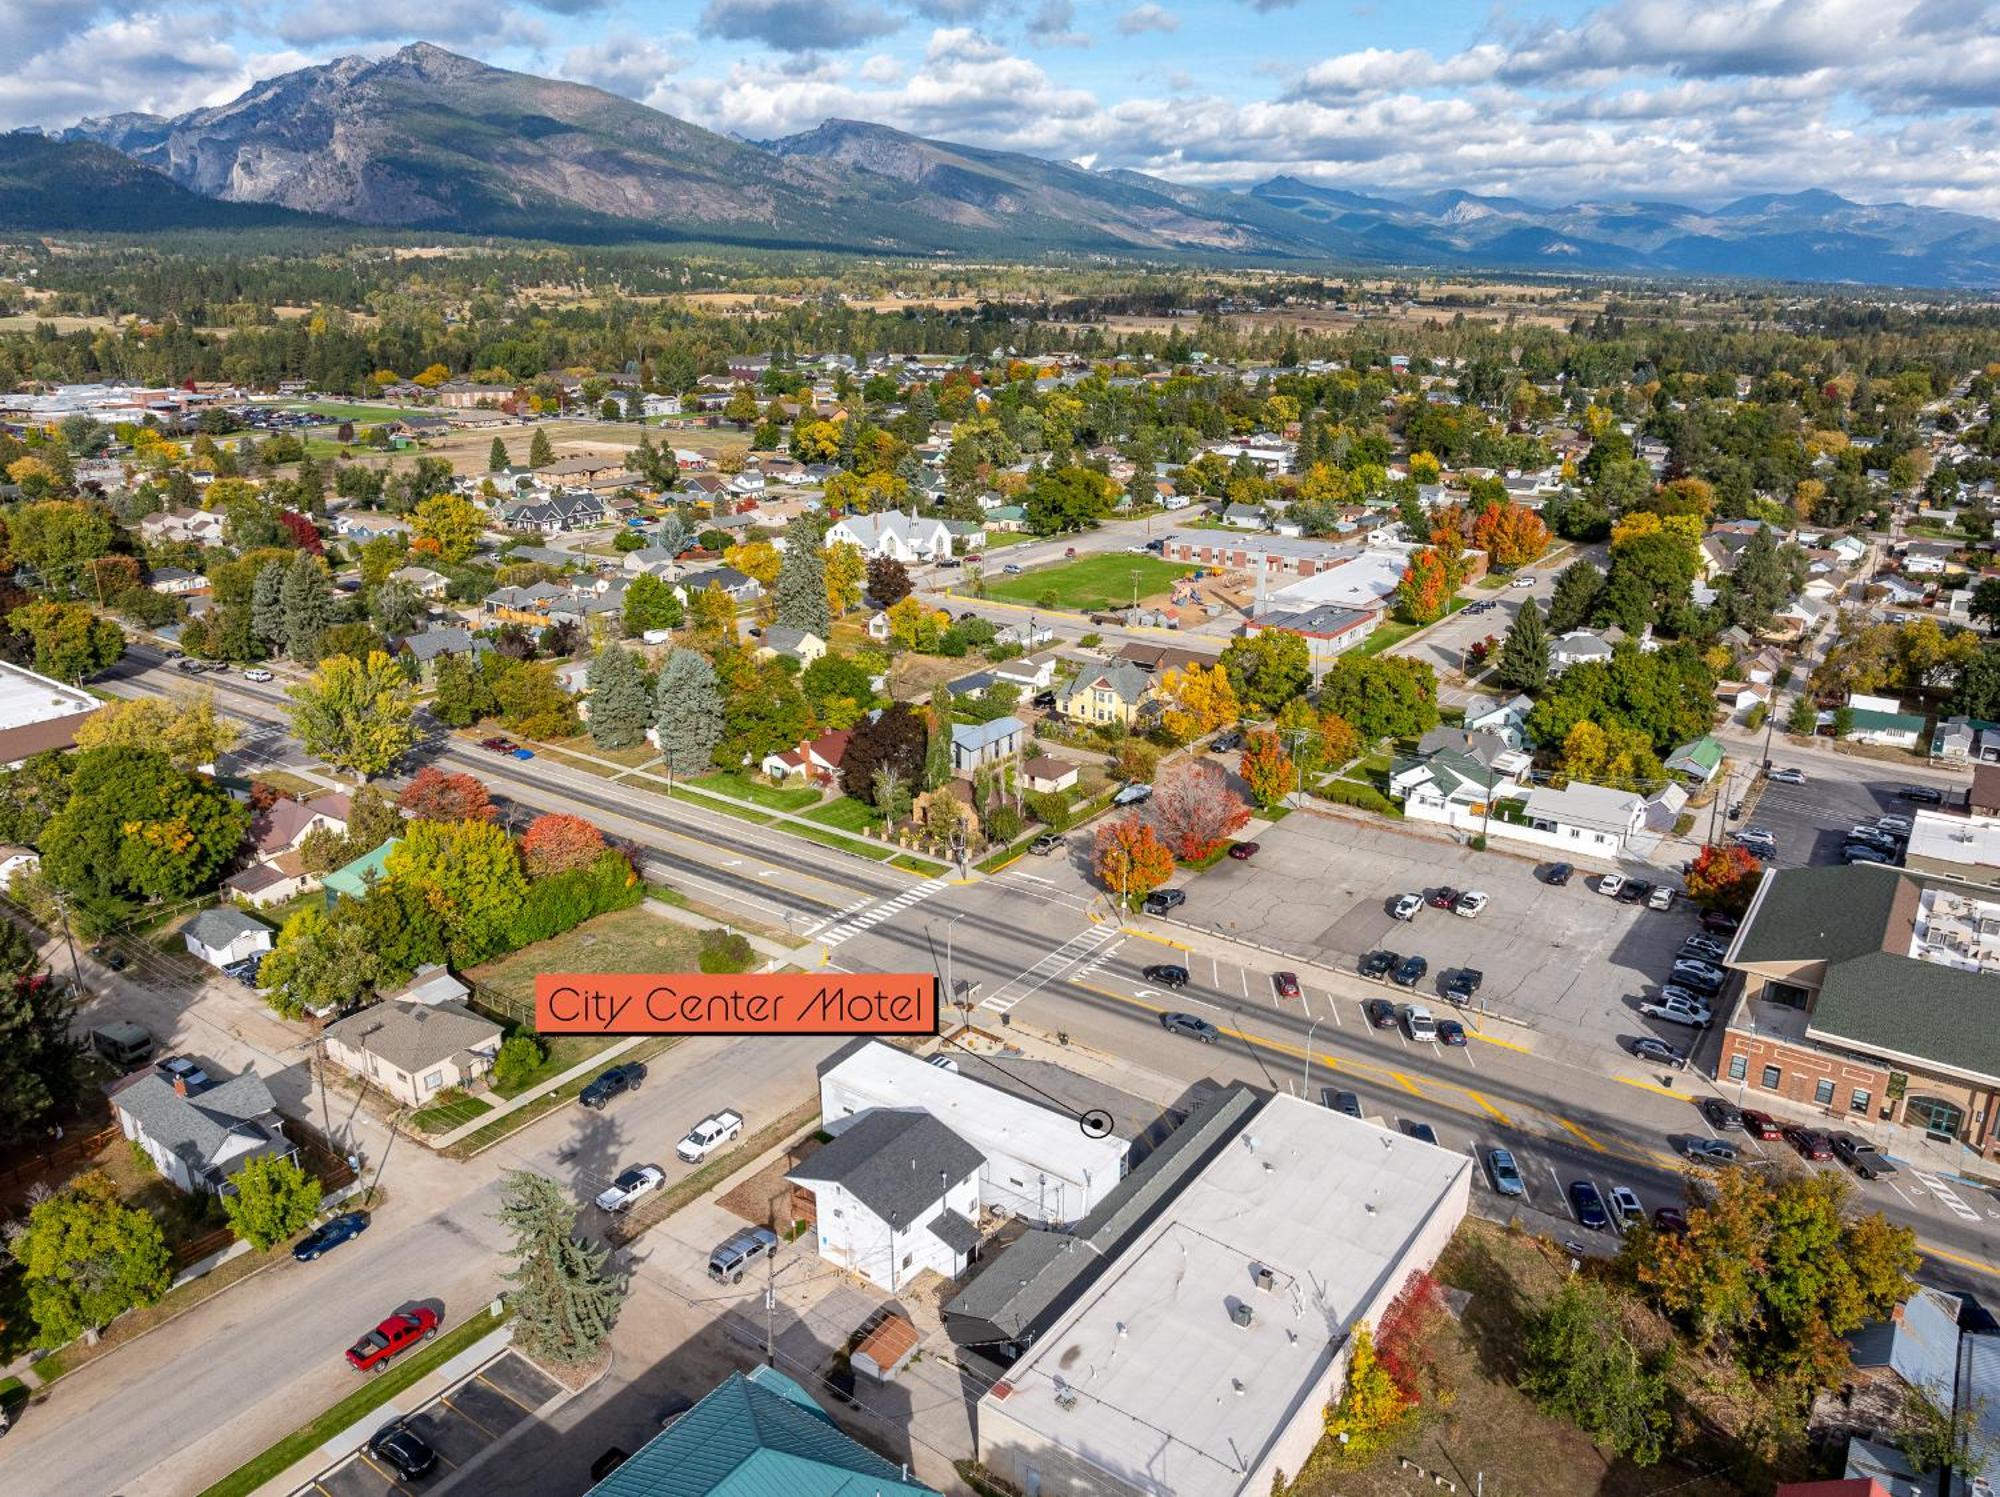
894,1163
412,1037
216,928
955,1232
196,1127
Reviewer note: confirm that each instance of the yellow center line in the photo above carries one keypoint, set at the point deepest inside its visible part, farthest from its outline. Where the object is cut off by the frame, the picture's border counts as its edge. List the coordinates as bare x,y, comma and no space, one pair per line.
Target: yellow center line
1578,1132
1959,1258
1408,1085
1488,1106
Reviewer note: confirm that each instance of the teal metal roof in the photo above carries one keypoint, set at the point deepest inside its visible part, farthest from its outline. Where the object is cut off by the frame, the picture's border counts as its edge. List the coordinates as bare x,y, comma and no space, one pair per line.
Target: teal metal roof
757,1436
353,879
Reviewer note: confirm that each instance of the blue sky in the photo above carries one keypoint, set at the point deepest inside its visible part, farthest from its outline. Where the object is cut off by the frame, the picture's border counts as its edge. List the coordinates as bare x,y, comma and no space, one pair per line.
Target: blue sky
1698,100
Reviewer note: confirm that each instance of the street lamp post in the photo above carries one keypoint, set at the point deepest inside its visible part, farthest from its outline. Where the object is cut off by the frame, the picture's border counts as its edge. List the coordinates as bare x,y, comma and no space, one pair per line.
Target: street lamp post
1305,1082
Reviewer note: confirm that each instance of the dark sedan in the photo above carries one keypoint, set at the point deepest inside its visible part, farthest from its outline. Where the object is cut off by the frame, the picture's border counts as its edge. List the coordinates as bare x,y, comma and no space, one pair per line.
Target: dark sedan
1557,874
1167,976
1722,1117
1659,1052
1450,1032
1243,852
1379,964
1443,898
1347,1102
1761,1125
1588,1205
1381,1013
403,1448
329,1235
1634,891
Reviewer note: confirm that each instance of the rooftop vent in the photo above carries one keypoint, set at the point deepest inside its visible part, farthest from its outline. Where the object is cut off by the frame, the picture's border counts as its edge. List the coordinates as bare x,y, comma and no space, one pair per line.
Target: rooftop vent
1265,1279
1242,1314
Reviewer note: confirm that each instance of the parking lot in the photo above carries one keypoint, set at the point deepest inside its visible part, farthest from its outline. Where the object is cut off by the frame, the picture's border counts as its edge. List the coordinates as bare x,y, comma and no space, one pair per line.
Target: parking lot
1810,821
458,1424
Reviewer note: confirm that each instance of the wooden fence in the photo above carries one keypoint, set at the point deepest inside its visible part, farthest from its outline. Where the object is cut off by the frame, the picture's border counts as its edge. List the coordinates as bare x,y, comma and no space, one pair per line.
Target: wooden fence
31,1162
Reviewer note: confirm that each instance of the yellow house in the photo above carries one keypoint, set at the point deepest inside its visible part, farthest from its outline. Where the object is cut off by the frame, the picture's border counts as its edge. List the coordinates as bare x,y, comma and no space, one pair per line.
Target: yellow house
1111,693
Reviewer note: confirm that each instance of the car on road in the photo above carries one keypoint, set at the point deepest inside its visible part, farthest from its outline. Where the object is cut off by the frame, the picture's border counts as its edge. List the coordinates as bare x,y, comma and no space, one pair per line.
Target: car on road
192,667
1861,1156
256,673
1193,1026
329,1235
1285,984
1443,897
1722,1117
1045,844
1410,973
631,1186
1451,1032
1703,948
1709,1150
1347,1102
1226,742
1610,884
1557,874
1243,852
1379,964
1670,1219
400,1447
498,745
1661,898
1162,900
1861,852
1588,1205
1718,921
1472,904
1634,891
392,1338
1645,1047
613,1083
710,1134
1787,777
1012,568
523,753
1406,906
733,1256
1505,1173
112,958
1423,1133
1461,984
1381,1013
1678,1011
1421,1023
1922,795
1810,1142
1761,1125
1625,1205
1526,579
1167,975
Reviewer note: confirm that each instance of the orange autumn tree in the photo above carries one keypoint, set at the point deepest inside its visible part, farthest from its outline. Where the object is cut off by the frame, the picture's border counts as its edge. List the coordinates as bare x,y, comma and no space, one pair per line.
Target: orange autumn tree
1511,535
1425,588
1447,539
1267,769
557,843
1724,878
1131,861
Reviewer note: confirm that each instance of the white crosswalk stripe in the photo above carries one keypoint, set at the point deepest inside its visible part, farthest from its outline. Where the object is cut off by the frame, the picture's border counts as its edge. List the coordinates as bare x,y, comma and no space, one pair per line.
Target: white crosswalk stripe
848,924
1946,1195
1082,945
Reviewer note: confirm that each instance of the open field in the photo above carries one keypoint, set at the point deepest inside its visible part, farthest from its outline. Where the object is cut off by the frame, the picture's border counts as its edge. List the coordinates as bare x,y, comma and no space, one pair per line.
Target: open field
634,940
1090,582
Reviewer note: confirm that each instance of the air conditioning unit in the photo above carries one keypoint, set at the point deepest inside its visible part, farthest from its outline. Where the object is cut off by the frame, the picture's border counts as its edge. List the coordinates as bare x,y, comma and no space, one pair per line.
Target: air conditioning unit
1242,1314
1065,1396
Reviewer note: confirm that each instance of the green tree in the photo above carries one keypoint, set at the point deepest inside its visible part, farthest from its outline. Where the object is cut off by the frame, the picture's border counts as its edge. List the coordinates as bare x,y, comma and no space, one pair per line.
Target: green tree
462,695
1383,696
1268,669
621,699
87,1258
514,1066
1581,1366
1574,600
1932,1437
322,961
59,538
358,715
650,604
1985,604
1803,719
1065,499
468,875
308,603
449,525
1524,654
136,826
840,689
533,703
496,456
37,1056
267,606
273,1199
70,641
540,453
937,747
800,597
396,608
763,713
687,711
564,1303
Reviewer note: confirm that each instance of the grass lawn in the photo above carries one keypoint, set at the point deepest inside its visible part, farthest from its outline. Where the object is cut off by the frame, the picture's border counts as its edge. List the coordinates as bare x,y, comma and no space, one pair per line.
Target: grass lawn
371,1395
734,782
995,539
442,1117
1394,631
1090,582
847,813
510,1123
634,940
289,784
335,410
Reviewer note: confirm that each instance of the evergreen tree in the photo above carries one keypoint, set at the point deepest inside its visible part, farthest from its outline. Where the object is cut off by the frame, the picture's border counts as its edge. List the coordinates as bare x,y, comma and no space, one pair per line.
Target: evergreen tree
308,606
564,1303
687,705
540,453
937,753
1524,655
267,606
621,705
496,456
801,591
37,1057
1575,597
671,534
310,488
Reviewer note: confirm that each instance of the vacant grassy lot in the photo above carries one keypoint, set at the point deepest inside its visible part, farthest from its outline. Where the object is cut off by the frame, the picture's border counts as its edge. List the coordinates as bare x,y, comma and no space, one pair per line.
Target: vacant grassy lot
634,940
1090,582
335,410
847,813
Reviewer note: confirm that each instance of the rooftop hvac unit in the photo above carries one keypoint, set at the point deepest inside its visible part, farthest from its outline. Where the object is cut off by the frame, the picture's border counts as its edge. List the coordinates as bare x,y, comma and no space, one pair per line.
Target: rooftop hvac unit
1065,1396
1265,1278
1242,1314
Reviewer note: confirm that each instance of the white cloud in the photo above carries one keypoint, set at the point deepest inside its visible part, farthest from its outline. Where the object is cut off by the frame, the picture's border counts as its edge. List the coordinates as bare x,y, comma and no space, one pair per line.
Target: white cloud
798,25
1054,25
1148,17
628,65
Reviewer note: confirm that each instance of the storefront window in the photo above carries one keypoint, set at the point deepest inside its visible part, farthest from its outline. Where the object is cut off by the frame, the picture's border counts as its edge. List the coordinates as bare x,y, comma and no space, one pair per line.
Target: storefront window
1739,1067
1937,1117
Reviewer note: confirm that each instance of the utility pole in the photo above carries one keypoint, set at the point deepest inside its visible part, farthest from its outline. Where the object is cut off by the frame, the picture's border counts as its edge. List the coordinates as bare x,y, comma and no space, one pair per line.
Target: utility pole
771,1302
75,968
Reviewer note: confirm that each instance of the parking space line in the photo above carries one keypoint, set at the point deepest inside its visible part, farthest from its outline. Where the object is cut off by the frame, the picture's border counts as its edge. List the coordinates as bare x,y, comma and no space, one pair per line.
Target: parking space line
1562,1194
1334,1004
467,1414
394,1484
523,1407
1578,1132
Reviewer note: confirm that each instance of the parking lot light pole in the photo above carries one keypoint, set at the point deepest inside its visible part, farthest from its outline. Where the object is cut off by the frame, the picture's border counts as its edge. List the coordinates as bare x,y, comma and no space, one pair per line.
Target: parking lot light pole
1305,1082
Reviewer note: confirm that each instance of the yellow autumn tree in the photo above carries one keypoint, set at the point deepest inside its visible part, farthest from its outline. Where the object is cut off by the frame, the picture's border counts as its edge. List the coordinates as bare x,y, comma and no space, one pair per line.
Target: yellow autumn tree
757,559
914,626
1370,1406
1202,701
846,575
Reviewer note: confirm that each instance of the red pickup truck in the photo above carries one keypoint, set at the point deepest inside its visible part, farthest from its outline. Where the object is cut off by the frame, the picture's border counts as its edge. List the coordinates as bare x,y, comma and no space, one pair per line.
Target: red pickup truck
392,1338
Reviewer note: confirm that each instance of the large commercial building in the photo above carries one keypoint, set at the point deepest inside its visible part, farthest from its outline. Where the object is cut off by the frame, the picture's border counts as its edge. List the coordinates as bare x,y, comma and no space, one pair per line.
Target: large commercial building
38,713
1200,1359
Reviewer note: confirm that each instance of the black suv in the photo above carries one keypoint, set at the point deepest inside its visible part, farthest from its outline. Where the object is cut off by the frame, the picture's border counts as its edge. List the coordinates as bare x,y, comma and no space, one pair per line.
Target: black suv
1462,983
1346,1102
1162,900
1379,964
1410,972
613,1083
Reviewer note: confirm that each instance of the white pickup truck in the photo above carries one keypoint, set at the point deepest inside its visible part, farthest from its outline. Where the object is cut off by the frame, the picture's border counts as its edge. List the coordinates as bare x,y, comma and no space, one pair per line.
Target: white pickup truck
710,1134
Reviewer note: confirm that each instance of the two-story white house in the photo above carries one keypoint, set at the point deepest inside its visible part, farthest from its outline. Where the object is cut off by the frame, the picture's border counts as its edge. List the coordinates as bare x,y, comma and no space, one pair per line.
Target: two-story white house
894,534
894,1194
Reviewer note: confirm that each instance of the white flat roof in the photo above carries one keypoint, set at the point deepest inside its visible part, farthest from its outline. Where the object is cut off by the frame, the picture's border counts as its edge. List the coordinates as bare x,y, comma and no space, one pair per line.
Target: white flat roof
1170,1394
1366,581
28,698
1951,838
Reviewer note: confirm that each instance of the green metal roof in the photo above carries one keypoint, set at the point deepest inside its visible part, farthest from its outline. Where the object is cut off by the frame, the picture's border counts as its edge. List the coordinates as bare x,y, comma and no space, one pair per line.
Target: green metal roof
1704,755
354,878
757,1436
1866,718
1818,914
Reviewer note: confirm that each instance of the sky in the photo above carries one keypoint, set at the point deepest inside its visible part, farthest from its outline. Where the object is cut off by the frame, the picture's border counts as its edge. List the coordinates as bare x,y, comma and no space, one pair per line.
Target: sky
1690,100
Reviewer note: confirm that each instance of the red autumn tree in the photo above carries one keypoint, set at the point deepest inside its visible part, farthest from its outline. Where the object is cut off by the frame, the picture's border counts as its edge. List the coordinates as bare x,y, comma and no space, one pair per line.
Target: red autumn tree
556,844
304,534
1724,878
1267,769
1404,1341
1425,588
1194,810
434,795
1131,861
1510,534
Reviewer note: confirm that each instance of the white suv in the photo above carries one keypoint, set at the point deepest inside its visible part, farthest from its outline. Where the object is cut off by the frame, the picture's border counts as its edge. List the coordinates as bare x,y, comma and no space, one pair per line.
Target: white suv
1406,906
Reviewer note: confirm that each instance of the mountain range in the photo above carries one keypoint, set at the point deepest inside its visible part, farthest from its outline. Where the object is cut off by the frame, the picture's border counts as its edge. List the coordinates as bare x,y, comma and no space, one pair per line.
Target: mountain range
428,140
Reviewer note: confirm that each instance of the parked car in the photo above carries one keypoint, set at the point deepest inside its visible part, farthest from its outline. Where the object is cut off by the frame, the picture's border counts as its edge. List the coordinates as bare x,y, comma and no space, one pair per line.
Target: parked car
1410,972
1133,795
1406,906
256,673
183,1074
523,753
1923,795
1285,984
1697,977
1719,921
1873,836
729,1261
1012,568
1678,1011
1243,852
1421,1023
1043,699
1787,777
1625,1205
1162,900
1526,579
1191,1025
1645,1047
1810,1142
1504,1173
1471,904
1588,1205
1423,1133
1861,852
1379,964
498,745
392,1338
110,956
710,1134
1381,1013
1709,1150
399,1446
1704,948
1721,1116
329,1235
1611,883
1451,1032
1898,827
1045,844
1861,1156
1167,975
1557,874
1661,898
1462,983
1442,898
1226,742
613,1083
1634,891
1761,1125
1347,1102
631,1186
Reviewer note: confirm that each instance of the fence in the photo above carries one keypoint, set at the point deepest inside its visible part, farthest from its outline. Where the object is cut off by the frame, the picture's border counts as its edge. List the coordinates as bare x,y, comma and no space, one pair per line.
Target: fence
326,1164
29,1164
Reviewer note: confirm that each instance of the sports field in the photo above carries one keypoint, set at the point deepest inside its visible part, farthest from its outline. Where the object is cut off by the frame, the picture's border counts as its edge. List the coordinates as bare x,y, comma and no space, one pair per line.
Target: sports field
1089,583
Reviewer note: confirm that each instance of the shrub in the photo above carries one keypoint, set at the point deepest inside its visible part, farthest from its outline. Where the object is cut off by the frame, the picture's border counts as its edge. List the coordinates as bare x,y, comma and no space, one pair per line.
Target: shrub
1004,825
563,901
520,1056
1051,809
726,951
1362,797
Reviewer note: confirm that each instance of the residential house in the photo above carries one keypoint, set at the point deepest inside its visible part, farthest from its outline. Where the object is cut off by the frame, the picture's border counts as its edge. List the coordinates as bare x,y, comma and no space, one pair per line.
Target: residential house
1027,635
199,1133
1242,516
282,825
353,880
557,514
892,533
414,1050
734,584
1963,739
879,627
655,559
177,582
1578,647
1031,673
969,687
1506,720
438,641
1930,559
974,745
895,1193
14,861
1741,698
273,881
1112,693
1455,776
817,760
1880,721
199,526
1698,762
801,644
224,935
428,584
1581,818
367,524
1044,775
